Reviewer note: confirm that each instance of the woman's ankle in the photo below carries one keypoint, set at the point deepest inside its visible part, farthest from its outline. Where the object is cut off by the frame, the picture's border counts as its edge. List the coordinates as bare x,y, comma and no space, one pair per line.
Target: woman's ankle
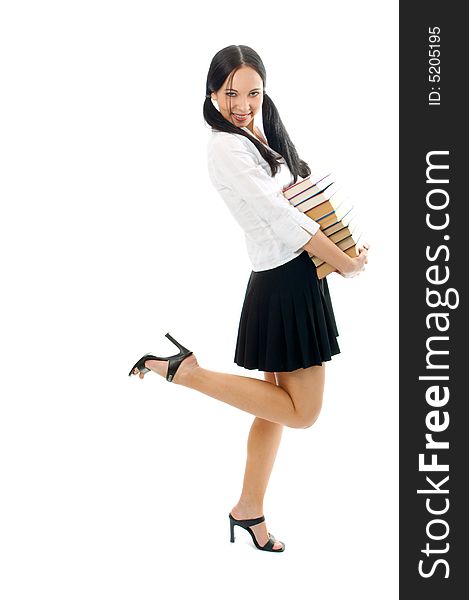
186,371
249,507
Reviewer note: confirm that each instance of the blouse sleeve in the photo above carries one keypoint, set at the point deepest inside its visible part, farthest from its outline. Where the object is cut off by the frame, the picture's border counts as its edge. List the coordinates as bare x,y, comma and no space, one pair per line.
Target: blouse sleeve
238,170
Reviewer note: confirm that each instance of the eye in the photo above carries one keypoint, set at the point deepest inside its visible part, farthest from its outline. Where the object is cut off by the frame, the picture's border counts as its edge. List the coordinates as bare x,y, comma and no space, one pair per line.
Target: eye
231,94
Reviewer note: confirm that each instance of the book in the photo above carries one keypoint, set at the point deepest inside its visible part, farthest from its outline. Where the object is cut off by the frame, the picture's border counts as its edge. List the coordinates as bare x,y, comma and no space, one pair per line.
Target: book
306,184
348,242
325,269
322,200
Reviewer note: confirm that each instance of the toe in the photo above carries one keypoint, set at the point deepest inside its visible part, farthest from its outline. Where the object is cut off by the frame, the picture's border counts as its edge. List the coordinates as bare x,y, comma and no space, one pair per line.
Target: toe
277,544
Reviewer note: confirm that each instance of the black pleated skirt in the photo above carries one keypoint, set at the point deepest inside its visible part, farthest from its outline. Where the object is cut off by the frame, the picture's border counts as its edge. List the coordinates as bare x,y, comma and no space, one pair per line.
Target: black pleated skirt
287,321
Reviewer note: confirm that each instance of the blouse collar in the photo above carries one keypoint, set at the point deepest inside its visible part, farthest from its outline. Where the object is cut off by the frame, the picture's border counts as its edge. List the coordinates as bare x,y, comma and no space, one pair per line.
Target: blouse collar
271,149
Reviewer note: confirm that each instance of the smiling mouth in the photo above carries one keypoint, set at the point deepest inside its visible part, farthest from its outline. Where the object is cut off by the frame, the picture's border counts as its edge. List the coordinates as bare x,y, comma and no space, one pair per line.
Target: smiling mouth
241,117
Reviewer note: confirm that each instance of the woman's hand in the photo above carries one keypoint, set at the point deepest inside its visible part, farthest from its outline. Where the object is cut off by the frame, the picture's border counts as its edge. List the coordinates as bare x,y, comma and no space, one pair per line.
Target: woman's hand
357,264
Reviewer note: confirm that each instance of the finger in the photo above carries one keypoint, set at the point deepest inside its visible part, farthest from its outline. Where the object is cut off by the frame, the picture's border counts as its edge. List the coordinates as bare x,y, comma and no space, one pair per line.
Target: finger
141,375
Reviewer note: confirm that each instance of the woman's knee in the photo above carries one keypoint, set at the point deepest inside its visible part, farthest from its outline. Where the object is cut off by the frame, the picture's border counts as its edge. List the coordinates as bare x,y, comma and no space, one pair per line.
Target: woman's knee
310,421
307,418
306,388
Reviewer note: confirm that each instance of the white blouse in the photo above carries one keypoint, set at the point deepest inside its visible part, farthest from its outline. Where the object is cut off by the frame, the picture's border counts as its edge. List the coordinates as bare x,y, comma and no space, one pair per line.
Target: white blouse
275,231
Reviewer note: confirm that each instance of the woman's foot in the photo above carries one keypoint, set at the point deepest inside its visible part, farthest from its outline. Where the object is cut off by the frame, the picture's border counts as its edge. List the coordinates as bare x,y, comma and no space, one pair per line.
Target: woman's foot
161,368
260,530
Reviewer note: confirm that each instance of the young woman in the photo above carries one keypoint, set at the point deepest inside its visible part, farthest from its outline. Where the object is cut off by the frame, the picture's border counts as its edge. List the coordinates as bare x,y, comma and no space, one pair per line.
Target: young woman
287,327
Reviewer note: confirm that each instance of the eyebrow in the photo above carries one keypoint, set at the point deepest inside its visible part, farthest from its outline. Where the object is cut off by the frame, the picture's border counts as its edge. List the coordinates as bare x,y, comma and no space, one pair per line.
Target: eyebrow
233,90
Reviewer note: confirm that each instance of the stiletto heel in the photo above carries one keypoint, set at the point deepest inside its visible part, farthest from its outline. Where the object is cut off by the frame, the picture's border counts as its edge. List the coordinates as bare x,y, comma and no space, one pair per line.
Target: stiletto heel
174,360
246,524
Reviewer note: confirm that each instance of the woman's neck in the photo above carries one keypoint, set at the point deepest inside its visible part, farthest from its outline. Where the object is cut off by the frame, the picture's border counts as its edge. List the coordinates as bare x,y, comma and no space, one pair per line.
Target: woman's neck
255,131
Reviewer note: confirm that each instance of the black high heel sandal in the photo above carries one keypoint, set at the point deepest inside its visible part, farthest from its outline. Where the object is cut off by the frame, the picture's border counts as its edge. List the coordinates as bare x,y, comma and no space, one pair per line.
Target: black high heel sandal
246,524
174,360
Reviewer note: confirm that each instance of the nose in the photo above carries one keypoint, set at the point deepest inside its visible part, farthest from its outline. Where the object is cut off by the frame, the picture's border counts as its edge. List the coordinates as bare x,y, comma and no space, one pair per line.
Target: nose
242,108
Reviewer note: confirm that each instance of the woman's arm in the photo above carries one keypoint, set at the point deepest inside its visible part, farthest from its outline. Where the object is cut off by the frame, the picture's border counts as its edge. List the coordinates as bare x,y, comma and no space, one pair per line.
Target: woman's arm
321,246
238,169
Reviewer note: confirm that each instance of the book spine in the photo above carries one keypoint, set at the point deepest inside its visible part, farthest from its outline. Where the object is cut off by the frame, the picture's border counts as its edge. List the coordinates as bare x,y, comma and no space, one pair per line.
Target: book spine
306,181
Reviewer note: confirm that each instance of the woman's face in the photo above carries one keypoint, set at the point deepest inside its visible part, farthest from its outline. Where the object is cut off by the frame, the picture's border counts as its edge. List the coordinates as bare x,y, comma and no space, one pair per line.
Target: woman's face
240,100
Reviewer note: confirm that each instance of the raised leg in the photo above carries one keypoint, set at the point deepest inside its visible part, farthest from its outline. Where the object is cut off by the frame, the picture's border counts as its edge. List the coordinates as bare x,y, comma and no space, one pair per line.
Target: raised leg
295,402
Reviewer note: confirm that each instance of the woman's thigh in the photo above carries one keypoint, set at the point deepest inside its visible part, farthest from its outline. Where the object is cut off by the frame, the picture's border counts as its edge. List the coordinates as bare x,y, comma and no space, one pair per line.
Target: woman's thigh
306,388
268,376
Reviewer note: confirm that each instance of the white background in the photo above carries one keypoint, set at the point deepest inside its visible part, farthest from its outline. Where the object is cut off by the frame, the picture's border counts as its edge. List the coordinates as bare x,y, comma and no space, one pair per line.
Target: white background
112,235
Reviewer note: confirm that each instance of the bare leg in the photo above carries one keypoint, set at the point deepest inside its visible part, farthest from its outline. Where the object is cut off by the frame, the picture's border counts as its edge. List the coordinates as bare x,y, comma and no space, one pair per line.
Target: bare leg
295,402
263,442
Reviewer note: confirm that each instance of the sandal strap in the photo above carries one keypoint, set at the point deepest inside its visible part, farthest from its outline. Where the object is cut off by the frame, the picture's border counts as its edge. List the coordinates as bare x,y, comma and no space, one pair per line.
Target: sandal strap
248,522
173,364
270,544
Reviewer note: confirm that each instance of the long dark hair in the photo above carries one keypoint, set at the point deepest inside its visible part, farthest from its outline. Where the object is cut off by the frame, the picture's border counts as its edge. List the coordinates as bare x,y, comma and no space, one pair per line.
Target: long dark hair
227,61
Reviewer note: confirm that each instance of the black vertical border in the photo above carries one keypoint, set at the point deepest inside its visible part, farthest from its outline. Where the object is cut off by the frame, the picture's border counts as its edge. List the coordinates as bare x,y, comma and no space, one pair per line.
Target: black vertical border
423,129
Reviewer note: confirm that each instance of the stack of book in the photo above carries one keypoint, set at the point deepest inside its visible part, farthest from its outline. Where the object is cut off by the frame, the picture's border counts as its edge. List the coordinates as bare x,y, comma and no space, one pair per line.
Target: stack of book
322,201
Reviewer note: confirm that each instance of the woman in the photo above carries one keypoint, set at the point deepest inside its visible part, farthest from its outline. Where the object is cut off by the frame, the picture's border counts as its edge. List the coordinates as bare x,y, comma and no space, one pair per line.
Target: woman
287,327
